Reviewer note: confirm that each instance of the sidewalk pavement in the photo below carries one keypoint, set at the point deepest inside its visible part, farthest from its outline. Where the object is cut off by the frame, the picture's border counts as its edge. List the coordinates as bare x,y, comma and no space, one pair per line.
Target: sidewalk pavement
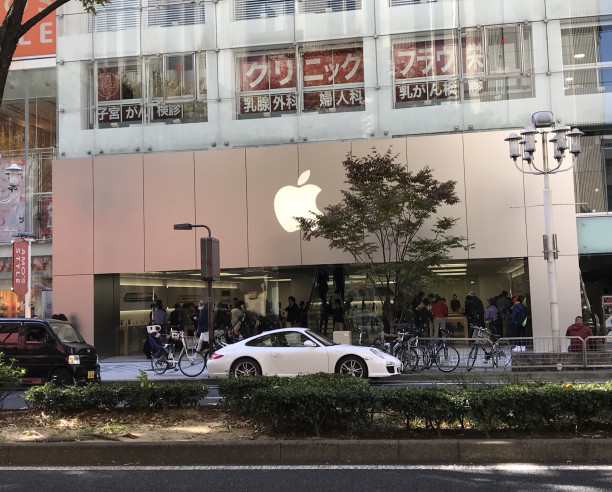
308,452
127,368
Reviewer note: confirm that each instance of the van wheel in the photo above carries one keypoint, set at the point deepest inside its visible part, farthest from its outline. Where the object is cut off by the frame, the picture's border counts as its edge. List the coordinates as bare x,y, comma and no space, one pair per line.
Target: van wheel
62,377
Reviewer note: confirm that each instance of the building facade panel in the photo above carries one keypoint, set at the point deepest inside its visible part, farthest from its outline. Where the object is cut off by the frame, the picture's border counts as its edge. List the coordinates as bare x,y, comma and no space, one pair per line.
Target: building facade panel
221,194
73,295
268,170
73,222
118,199
494,198
169,189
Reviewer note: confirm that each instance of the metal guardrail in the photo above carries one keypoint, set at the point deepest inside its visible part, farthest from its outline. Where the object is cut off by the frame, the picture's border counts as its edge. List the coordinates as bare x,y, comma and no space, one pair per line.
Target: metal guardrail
538,353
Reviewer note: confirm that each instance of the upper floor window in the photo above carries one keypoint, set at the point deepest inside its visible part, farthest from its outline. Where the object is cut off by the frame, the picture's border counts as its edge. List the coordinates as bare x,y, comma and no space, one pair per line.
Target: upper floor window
157,89
395,3
488,63
262,9
166,13
115,16
331,79
587,56
327,6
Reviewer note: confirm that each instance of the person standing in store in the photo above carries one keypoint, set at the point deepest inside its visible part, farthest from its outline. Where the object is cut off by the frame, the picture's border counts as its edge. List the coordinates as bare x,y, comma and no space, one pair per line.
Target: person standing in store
293,313
492,317
160,315
439,312
504,303
338,315
202,331
518,321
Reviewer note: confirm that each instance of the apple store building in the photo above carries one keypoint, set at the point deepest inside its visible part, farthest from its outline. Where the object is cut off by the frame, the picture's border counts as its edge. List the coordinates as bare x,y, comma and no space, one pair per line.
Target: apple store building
238,115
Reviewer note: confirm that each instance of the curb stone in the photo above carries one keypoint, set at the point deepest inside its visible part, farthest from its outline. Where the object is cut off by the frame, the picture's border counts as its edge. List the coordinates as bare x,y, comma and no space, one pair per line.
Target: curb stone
307,452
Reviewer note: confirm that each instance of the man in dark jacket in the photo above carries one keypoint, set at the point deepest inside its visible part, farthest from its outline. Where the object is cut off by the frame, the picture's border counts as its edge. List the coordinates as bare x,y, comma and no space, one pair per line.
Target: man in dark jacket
578,329
518,322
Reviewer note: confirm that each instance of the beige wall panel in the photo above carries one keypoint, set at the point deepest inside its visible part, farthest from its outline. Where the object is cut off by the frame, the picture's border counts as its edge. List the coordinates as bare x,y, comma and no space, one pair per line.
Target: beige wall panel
268,170
324,161
221,204
168,200
73,220
563,214
568,294
361,148
494,197
443,154
118,214
73,295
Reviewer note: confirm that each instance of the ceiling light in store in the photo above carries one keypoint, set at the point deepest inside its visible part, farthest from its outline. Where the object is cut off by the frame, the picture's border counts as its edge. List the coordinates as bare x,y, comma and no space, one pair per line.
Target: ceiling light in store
450,274
280,280
451,265
569,79
579,55
223,274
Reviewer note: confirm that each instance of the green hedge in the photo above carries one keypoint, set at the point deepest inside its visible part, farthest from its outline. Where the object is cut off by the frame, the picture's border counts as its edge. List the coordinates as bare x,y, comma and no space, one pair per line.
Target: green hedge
323,403
10,376
145,394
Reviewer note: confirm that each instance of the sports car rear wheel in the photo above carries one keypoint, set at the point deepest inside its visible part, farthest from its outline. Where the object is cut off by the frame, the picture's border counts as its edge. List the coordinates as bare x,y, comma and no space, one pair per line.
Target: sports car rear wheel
245,367
352,365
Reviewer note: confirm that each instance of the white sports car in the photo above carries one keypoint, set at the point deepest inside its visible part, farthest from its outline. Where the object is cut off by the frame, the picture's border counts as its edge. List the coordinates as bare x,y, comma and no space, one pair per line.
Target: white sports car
293,351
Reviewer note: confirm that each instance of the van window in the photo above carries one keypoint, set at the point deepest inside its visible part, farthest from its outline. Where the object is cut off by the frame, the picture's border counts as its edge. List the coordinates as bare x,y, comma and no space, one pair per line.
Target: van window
9,334
36,334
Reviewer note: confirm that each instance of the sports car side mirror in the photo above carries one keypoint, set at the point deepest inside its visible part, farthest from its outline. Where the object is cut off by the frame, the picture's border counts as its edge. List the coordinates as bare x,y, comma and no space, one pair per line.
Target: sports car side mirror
309,343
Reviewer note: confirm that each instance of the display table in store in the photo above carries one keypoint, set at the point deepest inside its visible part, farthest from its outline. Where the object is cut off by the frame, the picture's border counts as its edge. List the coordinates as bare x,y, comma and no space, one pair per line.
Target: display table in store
459,318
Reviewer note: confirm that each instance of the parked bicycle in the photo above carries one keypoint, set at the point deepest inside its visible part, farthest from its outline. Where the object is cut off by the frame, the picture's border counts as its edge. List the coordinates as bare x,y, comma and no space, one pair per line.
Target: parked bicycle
419,356
190,362
494,349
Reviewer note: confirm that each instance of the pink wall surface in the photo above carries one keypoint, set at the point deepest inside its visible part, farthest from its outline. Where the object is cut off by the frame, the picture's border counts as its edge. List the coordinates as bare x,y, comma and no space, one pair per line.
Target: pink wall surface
118,214
73,217
168,199
73,295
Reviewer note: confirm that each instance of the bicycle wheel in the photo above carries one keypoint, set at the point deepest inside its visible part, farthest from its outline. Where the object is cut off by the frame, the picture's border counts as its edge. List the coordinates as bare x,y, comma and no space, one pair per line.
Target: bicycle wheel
159,364
472,357
409,358
423,358
191,363
447,358
502,353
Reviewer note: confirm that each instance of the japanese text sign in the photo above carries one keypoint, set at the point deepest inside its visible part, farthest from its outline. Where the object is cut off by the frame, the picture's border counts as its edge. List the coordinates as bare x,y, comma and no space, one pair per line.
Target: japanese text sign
20,267
264,72
425,59
333,67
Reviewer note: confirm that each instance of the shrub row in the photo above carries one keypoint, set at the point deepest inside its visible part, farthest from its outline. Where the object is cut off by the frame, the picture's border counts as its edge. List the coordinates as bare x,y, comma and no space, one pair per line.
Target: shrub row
323,403
142,395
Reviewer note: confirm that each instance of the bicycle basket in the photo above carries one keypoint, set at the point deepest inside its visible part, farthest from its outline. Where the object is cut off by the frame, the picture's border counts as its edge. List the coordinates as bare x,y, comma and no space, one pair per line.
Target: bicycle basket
190,342
481,332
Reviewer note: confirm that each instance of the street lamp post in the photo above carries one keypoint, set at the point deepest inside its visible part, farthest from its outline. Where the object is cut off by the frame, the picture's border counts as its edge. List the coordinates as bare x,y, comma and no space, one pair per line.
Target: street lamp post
209,265
543,124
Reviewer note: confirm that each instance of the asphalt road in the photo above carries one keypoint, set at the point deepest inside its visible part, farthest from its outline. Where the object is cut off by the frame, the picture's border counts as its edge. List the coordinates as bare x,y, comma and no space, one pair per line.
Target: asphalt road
500,478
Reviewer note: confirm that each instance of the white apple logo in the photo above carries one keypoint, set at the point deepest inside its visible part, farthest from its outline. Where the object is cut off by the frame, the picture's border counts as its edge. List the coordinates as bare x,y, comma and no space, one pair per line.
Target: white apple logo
292,201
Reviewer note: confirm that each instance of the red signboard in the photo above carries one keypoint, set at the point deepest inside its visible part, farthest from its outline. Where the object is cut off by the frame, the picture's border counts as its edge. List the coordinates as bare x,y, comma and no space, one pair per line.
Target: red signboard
20,267
40,40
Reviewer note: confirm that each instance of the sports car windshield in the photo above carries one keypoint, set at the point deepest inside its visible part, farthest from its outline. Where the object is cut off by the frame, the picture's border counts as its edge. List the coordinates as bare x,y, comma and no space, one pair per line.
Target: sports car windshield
321,339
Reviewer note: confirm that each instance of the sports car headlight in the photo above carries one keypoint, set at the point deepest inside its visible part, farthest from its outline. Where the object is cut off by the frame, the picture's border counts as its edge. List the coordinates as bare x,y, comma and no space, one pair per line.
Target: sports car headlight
377,353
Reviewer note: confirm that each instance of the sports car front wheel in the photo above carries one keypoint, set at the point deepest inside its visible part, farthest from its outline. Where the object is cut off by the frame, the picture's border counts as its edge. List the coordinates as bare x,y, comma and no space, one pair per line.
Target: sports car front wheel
354,366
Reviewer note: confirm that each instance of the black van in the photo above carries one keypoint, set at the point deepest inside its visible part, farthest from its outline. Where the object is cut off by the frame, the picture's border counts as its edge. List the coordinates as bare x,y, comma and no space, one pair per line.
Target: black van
49,350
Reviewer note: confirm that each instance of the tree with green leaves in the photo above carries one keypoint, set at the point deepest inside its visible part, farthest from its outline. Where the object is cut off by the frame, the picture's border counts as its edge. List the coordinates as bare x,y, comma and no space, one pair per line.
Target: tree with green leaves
14,26
387,221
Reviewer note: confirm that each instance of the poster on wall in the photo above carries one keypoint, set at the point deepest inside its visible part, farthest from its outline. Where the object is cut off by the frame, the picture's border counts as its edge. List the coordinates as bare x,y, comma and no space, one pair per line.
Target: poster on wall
12,203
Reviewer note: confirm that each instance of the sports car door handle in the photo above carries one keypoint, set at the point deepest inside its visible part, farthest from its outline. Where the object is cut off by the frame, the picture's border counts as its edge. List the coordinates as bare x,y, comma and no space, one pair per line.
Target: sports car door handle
276,354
